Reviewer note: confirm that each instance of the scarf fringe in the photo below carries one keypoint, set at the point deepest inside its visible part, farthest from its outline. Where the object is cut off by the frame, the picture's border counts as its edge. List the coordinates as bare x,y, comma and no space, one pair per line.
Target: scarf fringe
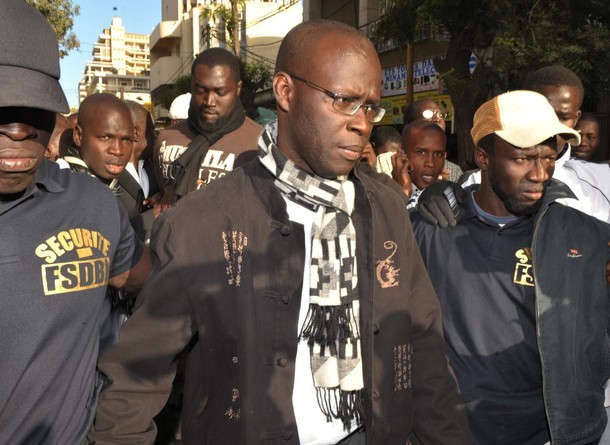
329,325
343,405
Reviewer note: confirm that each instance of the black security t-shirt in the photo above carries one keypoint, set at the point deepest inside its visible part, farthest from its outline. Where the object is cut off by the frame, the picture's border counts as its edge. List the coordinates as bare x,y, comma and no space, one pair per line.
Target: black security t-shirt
59,244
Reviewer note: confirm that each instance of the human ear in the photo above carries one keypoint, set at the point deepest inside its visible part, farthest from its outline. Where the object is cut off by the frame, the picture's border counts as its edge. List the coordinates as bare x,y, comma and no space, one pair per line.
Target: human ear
282,89
77,135
481,158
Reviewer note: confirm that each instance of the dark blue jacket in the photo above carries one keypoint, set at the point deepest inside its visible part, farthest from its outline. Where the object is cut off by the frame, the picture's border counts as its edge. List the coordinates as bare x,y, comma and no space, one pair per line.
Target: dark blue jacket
570,253
569,256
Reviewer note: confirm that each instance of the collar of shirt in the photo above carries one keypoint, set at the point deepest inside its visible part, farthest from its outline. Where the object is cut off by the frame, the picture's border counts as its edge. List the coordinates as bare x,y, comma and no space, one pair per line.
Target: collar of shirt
43,180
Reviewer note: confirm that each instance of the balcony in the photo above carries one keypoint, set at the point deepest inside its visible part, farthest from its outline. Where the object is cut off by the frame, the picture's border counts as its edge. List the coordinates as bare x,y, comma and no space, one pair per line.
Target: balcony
165,34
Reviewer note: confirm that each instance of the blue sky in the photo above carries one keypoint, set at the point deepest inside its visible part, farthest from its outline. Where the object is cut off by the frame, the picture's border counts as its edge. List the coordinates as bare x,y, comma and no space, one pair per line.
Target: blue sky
139,16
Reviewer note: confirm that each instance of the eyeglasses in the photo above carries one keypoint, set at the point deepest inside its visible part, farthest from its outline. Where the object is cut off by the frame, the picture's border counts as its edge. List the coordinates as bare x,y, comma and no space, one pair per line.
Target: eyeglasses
346,105
429,114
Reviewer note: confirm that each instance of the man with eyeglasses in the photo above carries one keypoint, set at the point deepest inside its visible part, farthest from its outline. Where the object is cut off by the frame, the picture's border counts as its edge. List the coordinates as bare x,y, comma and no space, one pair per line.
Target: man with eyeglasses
303,298
425,109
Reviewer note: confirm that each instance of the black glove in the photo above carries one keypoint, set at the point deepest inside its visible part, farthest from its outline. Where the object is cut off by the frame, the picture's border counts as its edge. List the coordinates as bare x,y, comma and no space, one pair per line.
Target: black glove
438,203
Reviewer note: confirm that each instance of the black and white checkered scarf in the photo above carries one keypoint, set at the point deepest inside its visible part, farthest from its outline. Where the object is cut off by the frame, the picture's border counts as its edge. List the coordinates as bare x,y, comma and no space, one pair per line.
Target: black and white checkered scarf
332,323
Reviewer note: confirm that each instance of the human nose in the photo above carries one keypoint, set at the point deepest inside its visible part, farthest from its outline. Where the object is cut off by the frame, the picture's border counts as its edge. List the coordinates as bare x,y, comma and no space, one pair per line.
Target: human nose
359,122
18,131
429,160
540,171
116,148
209,99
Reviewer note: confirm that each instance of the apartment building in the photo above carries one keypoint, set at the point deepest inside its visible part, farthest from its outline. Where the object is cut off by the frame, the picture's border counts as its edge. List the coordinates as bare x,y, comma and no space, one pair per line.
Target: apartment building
120,65
189,26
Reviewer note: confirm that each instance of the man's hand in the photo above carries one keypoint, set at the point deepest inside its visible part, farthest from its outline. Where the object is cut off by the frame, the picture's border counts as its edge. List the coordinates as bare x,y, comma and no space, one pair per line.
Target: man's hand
400,172
434,206
133,279
160,202
153,200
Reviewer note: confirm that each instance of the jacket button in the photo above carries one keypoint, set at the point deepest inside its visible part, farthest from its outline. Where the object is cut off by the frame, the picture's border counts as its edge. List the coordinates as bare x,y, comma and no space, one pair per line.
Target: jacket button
282,362
287,435
375,395
375,329
285,230
285,299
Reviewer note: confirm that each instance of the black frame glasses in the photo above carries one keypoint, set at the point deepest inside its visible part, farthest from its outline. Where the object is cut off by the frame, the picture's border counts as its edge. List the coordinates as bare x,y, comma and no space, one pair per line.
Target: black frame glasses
346,105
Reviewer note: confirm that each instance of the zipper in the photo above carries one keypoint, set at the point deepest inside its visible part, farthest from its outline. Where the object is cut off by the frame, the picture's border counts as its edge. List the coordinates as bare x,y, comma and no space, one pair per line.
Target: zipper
542,366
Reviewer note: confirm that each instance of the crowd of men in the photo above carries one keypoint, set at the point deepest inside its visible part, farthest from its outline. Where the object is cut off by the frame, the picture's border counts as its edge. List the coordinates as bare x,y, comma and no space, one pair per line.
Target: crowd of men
311,281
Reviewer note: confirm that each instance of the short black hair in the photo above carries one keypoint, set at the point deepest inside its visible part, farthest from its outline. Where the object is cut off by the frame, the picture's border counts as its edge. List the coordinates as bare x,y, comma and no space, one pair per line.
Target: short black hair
421,125
555,75
488,142
218,57
138,111
384,135
589,117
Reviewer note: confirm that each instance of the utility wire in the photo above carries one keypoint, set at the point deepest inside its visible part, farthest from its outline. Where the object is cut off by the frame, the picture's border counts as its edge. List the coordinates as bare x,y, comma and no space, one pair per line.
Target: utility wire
338,9
266,44
267,16
270,63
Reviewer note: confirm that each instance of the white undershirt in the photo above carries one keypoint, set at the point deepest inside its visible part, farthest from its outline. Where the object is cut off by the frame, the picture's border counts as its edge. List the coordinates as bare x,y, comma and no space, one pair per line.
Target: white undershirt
143,179
311,424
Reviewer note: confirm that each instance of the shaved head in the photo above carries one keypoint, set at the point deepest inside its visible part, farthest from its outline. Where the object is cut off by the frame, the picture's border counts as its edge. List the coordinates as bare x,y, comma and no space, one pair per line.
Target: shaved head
319,62
90,107
298,47
144,131
139,112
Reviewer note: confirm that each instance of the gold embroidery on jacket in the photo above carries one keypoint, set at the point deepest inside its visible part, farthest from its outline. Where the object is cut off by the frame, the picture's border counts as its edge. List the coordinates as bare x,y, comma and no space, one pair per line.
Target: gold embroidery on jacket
402,367
232,411
386,273
233,247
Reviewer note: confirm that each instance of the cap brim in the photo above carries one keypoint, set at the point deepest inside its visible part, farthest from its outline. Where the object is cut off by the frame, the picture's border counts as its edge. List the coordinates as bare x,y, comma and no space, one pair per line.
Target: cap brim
529,137
27,88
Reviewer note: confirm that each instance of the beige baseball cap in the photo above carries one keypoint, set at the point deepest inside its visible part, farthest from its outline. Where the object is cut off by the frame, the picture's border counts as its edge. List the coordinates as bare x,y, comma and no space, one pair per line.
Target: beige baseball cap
522,118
